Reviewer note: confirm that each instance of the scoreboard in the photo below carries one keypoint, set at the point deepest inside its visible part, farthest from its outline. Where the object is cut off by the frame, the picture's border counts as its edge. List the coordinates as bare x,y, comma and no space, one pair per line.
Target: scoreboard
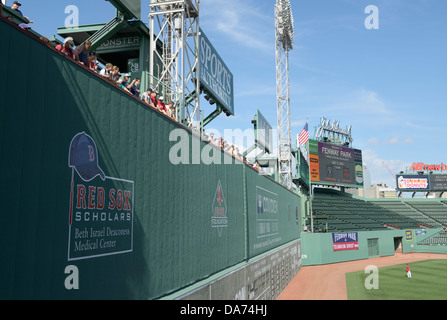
336,165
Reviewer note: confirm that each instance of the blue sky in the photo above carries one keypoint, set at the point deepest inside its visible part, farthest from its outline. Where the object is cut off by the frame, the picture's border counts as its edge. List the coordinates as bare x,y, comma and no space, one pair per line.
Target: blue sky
389,84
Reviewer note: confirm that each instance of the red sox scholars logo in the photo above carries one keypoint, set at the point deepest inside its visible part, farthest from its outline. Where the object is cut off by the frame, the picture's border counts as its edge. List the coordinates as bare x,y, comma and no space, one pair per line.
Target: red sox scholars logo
219,218
101,207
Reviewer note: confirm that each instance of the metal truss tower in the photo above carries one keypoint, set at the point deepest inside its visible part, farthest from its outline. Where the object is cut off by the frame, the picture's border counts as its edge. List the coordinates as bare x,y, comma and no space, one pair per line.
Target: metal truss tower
174,61
284,43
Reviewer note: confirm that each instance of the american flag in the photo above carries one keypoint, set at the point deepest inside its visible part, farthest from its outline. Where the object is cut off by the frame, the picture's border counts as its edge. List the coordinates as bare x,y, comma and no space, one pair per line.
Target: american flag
304,135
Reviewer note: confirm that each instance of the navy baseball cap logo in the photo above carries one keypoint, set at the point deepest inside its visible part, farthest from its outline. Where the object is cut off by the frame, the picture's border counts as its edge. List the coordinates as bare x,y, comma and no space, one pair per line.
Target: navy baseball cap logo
83,156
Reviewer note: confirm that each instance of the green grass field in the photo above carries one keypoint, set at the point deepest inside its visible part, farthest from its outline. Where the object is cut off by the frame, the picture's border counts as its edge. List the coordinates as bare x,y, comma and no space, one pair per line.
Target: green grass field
428,282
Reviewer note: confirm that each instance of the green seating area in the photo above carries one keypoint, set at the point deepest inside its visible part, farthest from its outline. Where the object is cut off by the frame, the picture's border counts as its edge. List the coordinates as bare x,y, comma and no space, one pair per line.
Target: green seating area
436,210
438,240
335,211
407,209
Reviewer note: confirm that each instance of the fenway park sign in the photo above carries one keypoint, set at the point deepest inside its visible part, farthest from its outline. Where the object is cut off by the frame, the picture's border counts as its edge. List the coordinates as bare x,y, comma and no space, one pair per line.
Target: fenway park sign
420,166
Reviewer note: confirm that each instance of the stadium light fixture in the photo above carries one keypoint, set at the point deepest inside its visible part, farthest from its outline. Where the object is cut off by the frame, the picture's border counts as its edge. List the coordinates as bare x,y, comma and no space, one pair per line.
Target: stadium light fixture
285,24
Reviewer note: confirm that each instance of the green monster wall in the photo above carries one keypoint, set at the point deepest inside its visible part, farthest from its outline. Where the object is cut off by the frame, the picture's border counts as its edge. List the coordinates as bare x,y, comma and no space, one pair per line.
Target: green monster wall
88,184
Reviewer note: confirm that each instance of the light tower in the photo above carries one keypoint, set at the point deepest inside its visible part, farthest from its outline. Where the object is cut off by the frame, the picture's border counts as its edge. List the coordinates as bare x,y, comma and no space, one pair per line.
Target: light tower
174,27
284,43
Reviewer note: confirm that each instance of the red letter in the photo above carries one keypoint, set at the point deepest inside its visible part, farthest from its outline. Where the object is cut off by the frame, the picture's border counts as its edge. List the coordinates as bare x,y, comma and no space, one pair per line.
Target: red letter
119,199
91,197
100,199
81,196
112,199
127,204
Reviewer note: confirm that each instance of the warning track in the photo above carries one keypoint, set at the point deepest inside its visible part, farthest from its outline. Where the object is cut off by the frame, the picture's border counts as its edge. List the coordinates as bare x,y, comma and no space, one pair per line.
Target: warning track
327,282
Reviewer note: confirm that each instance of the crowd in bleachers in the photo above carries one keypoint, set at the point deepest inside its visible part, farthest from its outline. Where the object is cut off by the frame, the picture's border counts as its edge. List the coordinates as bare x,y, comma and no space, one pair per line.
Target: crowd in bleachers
223,145
83,55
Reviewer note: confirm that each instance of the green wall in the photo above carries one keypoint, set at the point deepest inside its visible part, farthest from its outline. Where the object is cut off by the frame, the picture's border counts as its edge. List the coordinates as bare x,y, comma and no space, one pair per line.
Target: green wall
181,223
317,247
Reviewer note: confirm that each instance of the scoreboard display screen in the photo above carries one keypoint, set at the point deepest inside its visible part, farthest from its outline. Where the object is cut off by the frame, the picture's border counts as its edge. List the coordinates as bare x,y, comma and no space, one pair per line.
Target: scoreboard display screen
335,165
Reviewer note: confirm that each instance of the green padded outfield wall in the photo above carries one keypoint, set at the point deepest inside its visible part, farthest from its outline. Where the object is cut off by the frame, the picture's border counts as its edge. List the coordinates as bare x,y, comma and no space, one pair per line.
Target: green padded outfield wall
317,248
88,182
274,214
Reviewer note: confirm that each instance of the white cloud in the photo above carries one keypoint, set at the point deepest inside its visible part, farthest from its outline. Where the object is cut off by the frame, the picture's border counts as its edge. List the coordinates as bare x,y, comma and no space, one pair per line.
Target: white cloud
242,21
379,170
298,123
373,142
361,102
397,140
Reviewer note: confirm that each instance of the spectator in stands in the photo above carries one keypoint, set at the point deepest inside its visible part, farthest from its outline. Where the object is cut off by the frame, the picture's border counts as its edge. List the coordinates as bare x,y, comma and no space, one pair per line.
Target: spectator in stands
154,100
211,139
146,96
15,6
135,87
115,74
171,108
221,144
92,61
125,83
82,53
67,47
226,146
107,71
162,106
24,26
231,150
237,154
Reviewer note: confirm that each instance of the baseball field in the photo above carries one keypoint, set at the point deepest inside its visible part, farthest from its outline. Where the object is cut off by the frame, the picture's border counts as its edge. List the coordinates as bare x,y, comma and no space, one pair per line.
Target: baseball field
346,280
428,282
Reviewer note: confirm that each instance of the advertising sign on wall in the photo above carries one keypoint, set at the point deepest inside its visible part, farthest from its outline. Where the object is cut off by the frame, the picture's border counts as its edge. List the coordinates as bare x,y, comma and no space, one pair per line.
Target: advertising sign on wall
409,235
101,207
345,241
267,213
419,182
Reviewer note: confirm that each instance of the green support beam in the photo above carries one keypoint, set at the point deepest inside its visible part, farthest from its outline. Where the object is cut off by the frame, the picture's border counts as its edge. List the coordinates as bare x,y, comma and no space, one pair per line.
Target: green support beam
106,32
122,7
213,115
